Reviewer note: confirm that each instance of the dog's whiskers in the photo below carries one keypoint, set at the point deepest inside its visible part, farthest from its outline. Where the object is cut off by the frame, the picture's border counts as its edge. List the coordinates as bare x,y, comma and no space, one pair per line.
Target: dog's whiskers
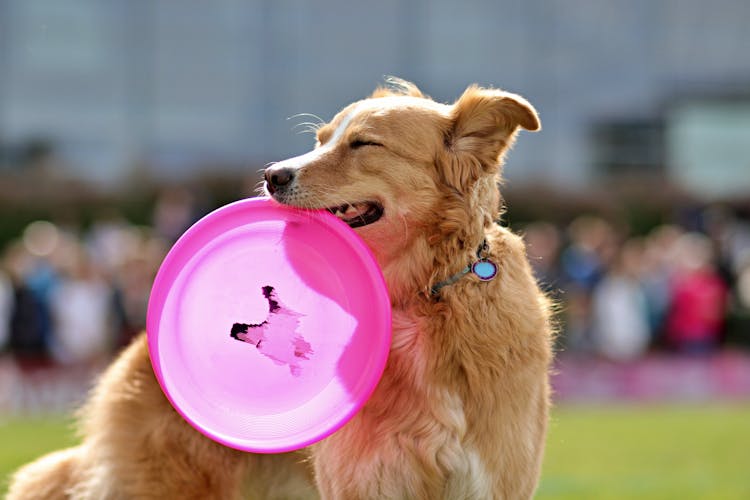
308,126
259,188
308,130
318,119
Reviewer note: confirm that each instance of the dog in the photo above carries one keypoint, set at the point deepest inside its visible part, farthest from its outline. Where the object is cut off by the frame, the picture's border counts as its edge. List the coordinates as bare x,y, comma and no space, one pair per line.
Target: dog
462,408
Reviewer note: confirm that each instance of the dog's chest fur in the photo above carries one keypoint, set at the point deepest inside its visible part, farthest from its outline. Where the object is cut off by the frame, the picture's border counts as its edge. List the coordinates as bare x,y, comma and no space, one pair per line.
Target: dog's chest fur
408,441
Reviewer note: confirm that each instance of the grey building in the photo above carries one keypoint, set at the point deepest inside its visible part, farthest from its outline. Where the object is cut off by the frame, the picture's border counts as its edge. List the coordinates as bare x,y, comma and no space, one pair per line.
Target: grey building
649,85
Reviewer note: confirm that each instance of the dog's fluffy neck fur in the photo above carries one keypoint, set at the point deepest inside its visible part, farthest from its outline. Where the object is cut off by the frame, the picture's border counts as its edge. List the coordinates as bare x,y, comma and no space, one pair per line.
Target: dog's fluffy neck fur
444,247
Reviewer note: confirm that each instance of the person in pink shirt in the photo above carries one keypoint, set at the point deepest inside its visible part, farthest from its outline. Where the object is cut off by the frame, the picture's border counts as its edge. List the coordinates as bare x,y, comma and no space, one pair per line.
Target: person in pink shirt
699,297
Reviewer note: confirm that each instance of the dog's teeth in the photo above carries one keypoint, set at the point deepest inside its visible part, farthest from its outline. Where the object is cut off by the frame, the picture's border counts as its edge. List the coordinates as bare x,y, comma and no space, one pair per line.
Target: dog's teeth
349,211
338,211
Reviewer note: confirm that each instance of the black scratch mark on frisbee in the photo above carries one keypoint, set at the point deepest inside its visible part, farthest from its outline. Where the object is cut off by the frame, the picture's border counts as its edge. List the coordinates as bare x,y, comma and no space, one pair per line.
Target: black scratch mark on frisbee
276,337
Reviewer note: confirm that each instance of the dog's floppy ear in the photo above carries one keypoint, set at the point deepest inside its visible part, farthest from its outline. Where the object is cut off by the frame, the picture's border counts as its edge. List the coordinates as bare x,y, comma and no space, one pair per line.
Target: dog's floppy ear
484,123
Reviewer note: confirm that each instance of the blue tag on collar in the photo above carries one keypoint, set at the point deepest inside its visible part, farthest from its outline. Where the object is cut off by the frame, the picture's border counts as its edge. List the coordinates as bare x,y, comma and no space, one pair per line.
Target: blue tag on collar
485,269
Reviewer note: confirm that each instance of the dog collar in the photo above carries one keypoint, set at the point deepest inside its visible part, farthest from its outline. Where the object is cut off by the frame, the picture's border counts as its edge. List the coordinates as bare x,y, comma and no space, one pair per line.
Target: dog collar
483,268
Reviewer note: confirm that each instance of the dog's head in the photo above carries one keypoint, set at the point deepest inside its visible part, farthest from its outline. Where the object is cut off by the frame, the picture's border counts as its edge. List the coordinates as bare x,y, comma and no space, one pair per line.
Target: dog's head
401,168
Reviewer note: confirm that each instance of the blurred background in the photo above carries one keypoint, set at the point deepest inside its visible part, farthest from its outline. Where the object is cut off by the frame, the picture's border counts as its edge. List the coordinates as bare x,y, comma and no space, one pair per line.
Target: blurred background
121,123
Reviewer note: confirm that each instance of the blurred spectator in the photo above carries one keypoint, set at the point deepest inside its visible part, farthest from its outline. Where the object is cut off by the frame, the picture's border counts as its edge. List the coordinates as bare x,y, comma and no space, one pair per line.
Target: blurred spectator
543,248
80,308
731,237
132,285
620,326
696,315
110,241
41,241
591,249
583,264
27,337
656,276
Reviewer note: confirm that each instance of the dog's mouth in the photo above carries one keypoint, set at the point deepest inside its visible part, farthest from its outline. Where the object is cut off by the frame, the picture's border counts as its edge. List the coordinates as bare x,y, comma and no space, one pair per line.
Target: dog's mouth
358,214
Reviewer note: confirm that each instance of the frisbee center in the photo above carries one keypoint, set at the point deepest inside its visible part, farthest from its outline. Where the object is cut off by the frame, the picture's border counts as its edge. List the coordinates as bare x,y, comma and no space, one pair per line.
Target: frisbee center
276,337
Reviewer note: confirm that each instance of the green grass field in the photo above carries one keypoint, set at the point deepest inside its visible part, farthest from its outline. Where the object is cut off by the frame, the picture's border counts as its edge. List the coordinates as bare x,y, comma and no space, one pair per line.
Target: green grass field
615,452
659,452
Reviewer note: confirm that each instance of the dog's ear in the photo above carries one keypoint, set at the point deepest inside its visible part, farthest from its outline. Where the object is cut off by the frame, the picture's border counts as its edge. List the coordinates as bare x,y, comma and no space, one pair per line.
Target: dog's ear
484,123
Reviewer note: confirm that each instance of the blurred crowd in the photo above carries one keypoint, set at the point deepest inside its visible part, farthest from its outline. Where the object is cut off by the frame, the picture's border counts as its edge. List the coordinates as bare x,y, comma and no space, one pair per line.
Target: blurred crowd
71,297
682,288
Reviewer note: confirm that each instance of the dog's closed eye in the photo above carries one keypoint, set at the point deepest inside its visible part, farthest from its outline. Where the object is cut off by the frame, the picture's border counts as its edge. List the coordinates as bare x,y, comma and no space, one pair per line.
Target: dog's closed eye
359,143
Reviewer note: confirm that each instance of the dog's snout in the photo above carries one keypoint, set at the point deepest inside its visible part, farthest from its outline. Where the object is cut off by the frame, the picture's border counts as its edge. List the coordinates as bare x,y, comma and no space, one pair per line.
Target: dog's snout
277,177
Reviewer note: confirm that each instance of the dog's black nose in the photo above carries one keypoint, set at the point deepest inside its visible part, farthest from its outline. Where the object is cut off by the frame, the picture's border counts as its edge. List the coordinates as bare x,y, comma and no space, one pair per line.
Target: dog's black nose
277,177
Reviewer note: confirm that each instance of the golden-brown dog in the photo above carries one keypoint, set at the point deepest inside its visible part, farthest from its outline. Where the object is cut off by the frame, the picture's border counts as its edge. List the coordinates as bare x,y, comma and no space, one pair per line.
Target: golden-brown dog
461,411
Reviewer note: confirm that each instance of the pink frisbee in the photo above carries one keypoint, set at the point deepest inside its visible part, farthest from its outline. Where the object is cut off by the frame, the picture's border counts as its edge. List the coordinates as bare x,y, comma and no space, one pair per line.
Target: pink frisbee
268,327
